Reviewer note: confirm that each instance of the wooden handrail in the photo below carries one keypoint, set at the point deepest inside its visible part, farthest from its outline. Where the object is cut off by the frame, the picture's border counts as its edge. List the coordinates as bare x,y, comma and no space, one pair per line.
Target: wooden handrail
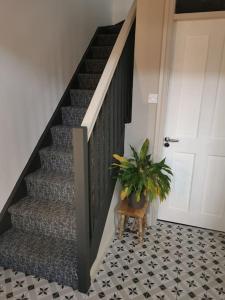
105,80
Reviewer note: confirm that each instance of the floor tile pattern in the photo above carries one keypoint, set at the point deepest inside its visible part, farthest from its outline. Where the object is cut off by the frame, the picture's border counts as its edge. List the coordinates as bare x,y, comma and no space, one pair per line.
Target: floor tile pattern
174,262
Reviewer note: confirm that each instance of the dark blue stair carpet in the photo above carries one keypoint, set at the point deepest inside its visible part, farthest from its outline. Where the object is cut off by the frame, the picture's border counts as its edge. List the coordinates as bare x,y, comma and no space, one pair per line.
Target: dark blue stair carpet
49,218
38,255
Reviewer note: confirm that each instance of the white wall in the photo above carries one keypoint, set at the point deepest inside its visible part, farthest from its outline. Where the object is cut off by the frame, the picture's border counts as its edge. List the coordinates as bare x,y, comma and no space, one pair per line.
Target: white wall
120,9
148,44
41,43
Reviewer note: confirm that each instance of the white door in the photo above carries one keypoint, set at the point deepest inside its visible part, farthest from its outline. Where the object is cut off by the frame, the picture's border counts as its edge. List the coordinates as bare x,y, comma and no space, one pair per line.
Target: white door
196,116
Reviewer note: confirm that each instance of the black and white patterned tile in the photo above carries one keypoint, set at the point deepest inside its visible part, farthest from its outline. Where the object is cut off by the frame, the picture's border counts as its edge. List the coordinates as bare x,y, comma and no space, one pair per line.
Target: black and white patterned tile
174,262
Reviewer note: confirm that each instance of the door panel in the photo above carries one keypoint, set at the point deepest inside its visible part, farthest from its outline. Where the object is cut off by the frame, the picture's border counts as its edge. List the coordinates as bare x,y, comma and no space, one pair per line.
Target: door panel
196,116
214,185
181,191
218,122
192,83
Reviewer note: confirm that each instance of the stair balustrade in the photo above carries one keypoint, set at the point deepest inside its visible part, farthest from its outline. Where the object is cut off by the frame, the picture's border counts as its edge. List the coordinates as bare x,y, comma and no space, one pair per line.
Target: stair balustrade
100,135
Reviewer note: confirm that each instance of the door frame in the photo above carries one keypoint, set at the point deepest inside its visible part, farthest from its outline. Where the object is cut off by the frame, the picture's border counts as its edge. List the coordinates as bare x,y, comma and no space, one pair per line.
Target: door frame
167,52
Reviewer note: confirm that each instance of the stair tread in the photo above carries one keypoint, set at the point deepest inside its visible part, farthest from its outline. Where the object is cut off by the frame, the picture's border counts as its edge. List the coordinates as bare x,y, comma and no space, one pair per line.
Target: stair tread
49,176
96,75
111,35
38,255
64,127
84,90
56,149
74,108
73,115
30,245
98,52
93,65
95,60
105,39
48,210
49,218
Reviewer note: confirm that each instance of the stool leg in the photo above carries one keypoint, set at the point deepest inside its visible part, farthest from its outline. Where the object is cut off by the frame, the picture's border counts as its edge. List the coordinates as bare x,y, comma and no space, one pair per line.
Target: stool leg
140,221
134,225
118,224
145,223
122,220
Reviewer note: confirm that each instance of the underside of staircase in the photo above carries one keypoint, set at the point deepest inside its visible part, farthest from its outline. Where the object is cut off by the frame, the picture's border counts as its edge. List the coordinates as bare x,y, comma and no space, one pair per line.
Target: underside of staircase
43,238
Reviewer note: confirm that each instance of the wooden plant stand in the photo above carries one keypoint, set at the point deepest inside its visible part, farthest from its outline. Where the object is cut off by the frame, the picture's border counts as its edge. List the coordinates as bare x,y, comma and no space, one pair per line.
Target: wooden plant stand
140,218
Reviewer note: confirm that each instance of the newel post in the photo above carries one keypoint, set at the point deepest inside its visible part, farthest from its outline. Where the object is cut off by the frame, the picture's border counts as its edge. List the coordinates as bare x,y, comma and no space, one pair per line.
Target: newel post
80,165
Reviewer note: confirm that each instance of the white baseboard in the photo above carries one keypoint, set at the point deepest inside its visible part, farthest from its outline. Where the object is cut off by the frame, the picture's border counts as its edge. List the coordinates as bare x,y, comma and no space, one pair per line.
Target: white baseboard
108,233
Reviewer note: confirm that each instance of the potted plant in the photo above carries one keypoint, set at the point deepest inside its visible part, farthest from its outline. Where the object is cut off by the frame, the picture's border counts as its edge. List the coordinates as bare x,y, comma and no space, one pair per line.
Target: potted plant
142,179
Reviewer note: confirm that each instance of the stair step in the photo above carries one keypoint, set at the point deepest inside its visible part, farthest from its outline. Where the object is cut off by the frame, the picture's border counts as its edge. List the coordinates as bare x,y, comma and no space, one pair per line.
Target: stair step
100,52
105,39
88,81
57,159
81,98
54,259
49,218
50,186
62,136
73,116
94,65
114,29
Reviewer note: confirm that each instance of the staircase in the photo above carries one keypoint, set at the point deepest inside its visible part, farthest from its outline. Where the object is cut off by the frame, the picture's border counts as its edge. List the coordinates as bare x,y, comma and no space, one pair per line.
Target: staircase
43,238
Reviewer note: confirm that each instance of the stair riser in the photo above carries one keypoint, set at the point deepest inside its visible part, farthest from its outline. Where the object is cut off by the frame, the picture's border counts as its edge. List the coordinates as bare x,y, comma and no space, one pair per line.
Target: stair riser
88,81
94,66
67,276
42,227
52,191
105,40
81,98
57,162
72,117
62,136
100,52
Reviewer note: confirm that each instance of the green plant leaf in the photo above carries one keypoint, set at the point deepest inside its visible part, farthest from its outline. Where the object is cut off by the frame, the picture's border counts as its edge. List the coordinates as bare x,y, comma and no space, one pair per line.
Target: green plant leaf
140,175
144,149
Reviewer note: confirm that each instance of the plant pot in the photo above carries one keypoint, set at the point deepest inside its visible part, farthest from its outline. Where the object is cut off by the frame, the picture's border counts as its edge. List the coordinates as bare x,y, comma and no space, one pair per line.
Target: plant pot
132,202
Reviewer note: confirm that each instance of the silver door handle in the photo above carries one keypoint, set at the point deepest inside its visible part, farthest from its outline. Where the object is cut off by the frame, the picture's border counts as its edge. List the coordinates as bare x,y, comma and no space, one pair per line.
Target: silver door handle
169,140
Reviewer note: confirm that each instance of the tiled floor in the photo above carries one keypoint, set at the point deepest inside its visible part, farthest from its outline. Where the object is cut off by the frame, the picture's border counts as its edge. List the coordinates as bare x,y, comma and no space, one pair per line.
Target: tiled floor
174,262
